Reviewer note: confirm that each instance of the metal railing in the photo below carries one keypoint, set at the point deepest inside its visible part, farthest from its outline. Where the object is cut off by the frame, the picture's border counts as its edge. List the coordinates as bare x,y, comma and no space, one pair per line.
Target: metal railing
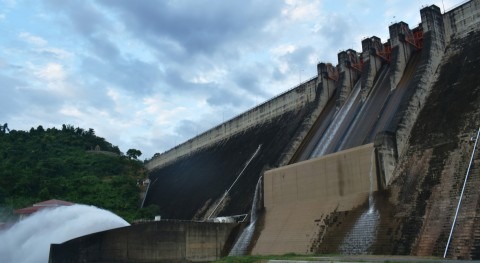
461,195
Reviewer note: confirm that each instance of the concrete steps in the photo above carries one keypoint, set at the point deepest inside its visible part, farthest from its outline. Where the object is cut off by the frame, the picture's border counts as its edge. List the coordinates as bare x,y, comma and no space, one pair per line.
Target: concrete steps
467,228
446,180
440,201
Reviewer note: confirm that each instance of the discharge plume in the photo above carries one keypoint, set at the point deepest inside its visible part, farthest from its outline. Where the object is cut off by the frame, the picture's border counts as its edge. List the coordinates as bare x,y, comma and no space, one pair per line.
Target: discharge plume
29,240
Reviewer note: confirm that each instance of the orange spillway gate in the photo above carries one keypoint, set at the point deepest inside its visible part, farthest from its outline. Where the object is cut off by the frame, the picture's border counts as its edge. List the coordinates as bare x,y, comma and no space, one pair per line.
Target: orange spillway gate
416,38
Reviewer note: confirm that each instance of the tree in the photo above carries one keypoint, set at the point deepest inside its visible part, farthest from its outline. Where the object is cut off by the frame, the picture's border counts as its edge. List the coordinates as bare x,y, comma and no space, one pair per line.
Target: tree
133,153
4,128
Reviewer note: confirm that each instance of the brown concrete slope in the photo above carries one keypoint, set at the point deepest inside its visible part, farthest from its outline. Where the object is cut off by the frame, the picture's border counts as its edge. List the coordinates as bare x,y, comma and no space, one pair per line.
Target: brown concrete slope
299,197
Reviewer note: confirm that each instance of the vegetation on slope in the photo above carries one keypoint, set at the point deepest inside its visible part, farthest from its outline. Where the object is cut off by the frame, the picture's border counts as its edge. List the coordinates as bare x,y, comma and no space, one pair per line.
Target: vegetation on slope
70,164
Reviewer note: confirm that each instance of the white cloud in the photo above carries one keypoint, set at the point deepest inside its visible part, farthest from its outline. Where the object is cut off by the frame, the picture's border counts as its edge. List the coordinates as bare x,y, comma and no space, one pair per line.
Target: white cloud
32,39
57,52
150,75
213,75
283,49
301,9
71,111
51,72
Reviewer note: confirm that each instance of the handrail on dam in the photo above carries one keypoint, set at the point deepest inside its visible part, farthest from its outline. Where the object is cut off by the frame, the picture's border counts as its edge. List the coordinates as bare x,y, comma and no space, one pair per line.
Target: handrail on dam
455,6
461,195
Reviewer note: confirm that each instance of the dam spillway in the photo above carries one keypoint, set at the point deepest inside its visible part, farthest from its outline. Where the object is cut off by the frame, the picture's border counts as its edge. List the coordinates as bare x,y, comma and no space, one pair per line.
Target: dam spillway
410,155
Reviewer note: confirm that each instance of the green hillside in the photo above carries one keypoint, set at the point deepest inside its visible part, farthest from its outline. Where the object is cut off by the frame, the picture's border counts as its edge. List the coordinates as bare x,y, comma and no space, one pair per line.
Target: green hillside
70,164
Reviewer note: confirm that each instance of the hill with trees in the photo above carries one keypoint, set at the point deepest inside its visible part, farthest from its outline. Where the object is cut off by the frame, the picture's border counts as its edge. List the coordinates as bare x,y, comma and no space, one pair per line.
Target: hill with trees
70,164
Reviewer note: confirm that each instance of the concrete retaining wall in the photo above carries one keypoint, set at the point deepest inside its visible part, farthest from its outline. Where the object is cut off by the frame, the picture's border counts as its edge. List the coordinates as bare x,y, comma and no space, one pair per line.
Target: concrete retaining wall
434,45
290,100
175,241
462,20
298,196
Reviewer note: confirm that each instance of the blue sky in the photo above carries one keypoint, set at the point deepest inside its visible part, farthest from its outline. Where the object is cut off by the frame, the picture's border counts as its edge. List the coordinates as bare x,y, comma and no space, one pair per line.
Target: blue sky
151,74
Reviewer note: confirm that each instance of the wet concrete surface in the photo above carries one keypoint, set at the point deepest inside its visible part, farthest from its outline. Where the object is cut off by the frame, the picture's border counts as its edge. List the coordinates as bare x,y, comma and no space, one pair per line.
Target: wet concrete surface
364,119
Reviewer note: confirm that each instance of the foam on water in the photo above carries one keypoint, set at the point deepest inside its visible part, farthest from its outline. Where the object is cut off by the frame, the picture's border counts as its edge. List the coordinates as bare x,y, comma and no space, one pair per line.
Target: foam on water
29,240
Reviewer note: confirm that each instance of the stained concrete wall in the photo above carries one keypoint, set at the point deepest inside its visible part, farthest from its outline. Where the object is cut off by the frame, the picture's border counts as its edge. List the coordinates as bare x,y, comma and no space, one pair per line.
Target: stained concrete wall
290,100
162,241
401,51
430,175
298,196
387,156
432,53
348,74
372,63
326,88
462,20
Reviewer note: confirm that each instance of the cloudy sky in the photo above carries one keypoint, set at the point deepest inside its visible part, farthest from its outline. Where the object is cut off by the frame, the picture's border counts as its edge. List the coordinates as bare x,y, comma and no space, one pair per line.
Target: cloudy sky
151,74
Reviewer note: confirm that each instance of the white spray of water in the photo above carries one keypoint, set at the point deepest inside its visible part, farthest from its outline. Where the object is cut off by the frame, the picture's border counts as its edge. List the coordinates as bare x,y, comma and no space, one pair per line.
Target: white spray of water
28,241
241,246
371,205
332,130
363,233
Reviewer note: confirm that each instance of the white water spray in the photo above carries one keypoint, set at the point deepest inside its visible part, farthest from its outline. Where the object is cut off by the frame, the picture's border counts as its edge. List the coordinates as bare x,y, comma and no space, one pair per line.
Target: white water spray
241,246
28,241
371,205
363,233
332,130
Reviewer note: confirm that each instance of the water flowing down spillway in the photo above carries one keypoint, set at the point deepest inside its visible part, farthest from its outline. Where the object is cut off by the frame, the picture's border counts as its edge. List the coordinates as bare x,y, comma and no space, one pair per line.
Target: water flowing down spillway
338,120
367,114
241,246
28,241
363,233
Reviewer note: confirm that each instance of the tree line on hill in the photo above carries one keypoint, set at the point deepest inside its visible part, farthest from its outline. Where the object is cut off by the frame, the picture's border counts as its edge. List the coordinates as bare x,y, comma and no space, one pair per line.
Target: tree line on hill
70,164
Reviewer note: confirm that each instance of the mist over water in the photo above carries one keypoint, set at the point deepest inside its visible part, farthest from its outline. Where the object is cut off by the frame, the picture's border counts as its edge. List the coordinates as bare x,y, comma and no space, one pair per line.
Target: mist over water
29,240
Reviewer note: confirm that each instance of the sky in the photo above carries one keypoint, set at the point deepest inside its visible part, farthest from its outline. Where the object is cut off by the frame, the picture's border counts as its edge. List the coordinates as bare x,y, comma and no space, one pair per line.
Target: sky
151,74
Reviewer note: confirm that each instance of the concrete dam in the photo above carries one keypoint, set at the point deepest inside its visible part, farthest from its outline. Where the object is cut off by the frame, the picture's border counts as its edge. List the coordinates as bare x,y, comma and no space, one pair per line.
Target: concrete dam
368,157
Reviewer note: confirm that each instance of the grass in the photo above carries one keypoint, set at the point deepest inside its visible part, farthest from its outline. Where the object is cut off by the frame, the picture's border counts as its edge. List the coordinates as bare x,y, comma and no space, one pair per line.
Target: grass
259,258
324,258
